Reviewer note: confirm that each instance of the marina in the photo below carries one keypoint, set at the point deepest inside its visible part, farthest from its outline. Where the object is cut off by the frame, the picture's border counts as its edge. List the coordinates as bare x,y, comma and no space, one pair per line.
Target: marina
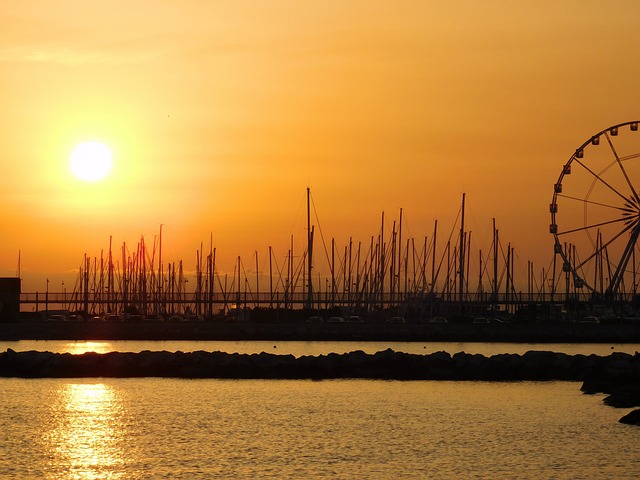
319,240
592,274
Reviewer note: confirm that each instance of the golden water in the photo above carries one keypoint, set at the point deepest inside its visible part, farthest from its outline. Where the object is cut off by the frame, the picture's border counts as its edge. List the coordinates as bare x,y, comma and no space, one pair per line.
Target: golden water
171,428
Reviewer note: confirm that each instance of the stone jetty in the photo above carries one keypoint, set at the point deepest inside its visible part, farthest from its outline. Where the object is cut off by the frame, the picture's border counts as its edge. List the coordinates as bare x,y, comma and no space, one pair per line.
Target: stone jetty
594,370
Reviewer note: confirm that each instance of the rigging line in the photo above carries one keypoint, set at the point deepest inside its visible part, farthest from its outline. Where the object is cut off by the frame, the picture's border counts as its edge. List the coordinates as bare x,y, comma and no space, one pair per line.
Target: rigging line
604,246
297,271
453,229
324,244
455,223
279,280
594,225
246,277
437,273
583,276
624,172
220,283
599,178
591,202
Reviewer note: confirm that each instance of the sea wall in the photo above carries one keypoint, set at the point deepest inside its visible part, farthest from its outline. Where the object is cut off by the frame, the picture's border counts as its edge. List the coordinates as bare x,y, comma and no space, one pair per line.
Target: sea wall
305,331
387,364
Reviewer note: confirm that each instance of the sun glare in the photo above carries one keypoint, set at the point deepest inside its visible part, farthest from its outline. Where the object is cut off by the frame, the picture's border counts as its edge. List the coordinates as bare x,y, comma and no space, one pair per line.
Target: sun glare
91,161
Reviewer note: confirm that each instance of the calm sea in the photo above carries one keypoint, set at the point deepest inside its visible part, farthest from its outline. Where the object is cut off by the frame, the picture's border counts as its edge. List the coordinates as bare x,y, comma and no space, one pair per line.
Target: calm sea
330,429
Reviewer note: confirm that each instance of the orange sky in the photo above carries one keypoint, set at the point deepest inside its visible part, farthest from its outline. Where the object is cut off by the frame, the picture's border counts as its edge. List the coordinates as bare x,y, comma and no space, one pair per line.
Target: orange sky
220,114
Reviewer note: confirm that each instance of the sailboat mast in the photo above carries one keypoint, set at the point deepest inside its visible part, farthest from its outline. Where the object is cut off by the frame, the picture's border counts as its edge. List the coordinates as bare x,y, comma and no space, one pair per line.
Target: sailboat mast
87,261
109,276
433,258
462,249
257,302
399,261
309,251
381,290
212,276
270,279
160,279
495,264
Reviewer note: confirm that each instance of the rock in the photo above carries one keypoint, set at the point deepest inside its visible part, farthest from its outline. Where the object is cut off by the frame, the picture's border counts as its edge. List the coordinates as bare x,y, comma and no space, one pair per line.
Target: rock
605,374
470,366
609,373
632,418
624,396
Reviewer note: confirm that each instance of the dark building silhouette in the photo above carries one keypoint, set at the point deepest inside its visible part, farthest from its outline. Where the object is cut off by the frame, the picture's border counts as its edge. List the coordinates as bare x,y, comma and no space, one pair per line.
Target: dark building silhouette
9,299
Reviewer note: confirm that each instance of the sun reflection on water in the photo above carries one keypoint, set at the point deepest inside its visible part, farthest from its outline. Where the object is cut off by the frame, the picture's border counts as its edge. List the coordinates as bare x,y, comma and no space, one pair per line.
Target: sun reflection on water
86,439
77,348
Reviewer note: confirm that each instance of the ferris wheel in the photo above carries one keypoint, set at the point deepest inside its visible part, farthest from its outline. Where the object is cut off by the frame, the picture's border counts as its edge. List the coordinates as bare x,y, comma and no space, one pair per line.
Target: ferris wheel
595,212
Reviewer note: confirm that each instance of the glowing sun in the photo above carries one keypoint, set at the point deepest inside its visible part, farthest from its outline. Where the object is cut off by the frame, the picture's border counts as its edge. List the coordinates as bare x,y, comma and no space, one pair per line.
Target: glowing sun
91,161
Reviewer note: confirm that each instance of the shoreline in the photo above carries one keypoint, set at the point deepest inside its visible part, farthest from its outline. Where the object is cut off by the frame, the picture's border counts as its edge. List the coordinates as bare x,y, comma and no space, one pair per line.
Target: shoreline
303,331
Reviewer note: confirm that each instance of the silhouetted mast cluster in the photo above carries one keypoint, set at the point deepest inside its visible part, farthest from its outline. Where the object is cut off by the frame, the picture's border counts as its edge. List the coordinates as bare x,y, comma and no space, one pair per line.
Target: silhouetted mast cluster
391,273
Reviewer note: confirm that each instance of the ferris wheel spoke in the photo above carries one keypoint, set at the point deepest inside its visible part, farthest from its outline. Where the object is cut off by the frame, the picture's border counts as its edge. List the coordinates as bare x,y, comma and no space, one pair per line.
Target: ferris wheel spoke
624,260
583,274
622,169
591,202
599,178
588,227
630,157
604,246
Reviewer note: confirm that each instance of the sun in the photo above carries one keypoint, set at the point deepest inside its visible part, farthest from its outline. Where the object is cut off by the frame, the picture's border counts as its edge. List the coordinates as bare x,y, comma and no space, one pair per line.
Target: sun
91,161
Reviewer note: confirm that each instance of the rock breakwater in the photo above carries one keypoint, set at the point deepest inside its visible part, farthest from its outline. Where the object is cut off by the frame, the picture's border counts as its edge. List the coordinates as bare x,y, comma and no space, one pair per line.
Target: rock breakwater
388,364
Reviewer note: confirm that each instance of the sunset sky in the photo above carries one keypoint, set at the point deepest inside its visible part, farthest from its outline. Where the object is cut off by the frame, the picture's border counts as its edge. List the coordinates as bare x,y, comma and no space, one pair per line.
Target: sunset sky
221,114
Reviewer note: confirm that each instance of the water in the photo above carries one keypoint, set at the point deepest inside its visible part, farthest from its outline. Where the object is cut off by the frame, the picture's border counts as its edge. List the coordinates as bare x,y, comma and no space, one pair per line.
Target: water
174,428
335,429
311,348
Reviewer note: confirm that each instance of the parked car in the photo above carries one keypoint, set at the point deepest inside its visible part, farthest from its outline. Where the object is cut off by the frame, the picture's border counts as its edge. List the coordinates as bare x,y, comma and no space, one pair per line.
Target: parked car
397,320
590,319
438,319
